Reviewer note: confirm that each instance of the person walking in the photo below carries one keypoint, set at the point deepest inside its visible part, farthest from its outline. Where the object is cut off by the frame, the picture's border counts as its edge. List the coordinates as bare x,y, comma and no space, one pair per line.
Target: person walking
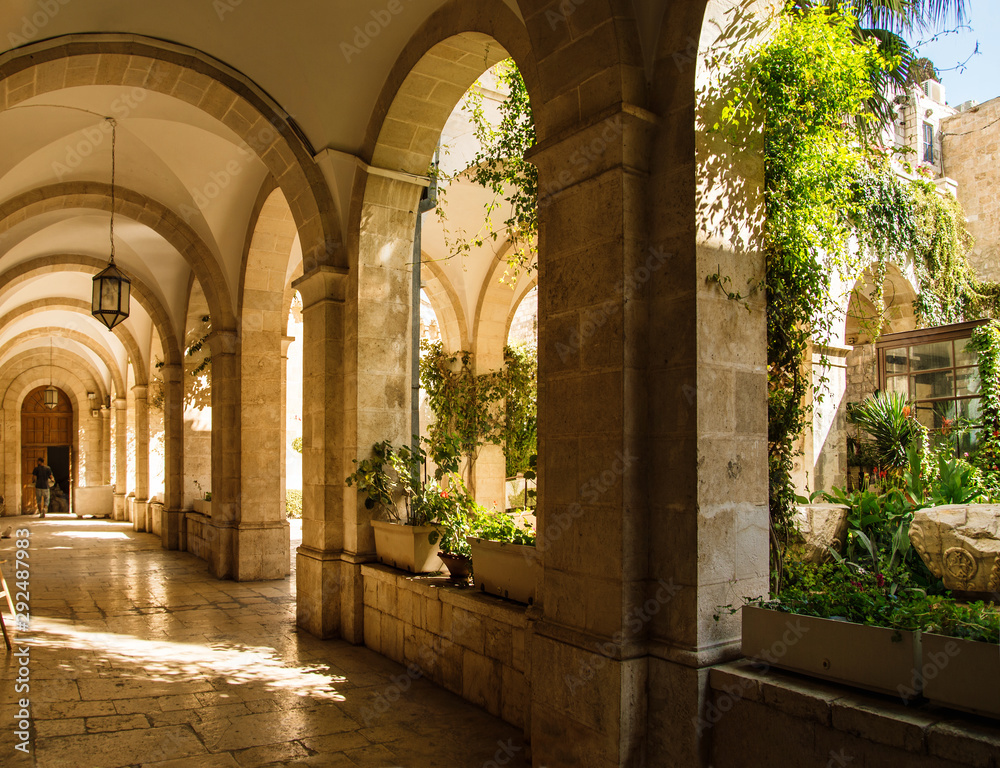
43,481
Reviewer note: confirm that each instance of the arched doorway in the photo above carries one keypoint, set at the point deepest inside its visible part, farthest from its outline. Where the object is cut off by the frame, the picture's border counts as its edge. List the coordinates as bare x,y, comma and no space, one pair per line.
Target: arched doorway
47,434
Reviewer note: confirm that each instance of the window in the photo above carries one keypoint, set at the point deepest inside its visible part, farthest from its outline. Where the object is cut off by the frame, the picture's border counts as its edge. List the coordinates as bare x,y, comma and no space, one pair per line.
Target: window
934,371
928,143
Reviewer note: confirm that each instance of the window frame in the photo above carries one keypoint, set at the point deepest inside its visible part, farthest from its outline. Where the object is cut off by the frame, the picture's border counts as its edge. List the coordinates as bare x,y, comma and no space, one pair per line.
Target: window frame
928,141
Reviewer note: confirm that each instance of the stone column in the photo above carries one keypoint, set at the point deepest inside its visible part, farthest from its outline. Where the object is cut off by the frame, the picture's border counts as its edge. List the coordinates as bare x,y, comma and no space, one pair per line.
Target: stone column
106,446
173,449
121,456
319,559
140,520
489,472
285,342
225,452
588,655
261,536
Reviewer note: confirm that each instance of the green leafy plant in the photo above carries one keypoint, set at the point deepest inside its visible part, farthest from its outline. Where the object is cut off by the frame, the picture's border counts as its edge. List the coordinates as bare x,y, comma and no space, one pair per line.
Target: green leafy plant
886,417
293,503
500,526
498,408
499,167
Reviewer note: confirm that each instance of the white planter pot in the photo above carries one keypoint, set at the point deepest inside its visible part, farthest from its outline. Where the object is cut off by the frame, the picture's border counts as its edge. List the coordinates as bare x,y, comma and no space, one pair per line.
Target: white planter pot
962,674
407,546
874,658
504,569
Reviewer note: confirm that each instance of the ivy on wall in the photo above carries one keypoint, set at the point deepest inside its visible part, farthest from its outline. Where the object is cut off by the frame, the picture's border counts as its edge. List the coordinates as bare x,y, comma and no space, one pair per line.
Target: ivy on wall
986,341
496,408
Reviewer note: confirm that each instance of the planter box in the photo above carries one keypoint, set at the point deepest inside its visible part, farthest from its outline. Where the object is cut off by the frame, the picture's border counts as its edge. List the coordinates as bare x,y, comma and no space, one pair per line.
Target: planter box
407,546
203,507
96,500
962,674
504,569
874,658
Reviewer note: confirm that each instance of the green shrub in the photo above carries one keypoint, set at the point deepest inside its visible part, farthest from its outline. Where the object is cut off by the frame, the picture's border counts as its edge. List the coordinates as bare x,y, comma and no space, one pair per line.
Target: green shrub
293,503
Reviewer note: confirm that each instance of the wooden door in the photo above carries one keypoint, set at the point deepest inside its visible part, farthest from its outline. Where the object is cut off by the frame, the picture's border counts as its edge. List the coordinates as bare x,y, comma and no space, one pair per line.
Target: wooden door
41,428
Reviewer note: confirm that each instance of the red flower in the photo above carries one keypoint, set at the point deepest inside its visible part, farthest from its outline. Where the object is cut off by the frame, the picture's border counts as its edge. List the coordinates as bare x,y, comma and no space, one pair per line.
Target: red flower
906,411
880,580
444,494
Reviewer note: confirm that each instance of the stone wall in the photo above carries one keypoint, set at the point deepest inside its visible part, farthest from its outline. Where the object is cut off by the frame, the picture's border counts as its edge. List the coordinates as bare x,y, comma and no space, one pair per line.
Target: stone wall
475,645
971,151
759,719
194,535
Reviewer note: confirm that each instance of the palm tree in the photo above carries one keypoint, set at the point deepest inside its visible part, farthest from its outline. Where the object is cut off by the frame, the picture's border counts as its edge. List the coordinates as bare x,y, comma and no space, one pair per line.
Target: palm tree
887,21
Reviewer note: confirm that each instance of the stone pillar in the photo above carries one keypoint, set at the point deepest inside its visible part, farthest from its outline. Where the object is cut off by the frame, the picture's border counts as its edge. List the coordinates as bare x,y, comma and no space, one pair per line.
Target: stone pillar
225,452
121,456
589,662
319,558
173,449
285,343
261,535
106,446
140,518
489,472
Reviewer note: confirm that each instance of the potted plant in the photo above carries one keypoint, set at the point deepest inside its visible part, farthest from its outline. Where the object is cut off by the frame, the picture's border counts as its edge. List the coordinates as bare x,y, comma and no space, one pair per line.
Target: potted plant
456,526
505,558
409,539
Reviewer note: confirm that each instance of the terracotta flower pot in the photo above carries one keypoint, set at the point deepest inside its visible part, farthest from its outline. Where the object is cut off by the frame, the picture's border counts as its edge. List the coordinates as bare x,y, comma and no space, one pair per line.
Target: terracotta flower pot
459,566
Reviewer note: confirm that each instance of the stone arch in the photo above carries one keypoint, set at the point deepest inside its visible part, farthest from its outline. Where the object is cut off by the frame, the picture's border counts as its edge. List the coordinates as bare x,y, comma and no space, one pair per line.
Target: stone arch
83,339
898,290
20,376
196,78
47,265
495,309
521,291
449,53
447,306
80,307
140,208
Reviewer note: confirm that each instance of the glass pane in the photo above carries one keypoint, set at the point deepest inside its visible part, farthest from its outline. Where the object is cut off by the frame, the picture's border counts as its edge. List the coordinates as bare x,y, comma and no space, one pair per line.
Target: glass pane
898,384
965,356
895,361
967,381
927,357
969,410
937,384
933,415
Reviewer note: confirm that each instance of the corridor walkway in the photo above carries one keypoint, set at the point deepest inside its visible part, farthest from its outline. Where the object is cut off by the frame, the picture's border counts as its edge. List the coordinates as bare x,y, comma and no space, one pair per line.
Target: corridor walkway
138,657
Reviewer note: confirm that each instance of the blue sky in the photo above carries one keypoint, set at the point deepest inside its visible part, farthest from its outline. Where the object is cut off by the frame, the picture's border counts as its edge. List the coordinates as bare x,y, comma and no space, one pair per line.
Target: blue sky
980,79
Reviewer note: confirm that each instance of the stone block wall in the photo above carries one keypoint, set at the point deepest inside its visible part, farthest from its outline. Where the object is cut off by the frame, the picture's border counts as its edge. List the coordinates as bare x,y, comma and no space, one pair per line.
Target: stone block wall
475,645
766,719
194,538
971,151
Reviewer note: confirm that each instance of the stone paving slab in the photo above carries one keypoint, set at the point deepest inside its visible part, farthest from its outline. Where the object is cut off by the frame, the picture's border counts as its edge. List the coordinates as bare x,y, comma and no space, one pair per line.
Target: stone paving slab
139,658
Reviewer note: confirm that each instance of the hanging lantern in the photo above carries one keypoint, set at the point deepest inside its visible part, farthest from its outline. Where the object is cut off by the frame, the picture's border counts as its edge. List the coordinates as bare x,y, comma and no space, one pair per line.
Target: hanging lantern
112,290
51,394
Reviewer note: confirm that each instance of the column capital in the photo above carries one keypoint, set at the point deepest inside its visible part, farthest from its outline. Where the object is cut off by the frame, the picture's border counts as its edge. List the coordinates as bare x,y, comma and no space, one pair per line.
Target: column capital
286,341
324,283
121,403
139,391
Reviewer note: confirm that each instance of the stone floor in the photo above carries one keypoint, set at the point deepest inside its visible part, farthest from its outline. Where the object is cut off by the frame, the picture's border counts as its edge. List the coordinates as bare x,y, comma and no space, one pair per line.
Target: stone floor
138,657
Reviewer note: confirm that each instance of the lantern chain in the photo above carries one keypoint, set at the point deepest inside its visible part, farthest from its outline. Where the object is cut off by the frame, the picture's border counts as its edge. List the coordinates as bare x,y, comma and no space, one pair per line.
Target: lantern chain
114,137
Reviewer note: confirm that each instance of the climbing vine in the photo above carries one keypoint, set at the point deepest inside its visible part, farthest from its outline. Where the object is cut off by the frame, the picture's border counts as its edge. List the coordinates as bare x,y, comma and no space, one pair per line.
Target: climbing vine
806,90
499,166
949,289
986,341
496,408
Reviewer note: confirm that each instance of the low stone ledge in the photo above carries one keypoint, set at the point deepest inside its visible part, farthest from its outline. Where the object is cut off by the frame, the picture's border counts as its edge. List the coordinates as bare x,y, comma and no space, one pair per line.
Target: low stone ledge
933,732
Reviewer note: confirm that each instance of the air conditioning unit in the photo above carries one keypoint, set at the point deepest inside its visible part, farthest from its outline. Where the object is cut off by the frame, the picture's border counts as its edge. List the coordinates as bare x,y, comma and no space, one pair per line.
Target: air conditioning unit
934,90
